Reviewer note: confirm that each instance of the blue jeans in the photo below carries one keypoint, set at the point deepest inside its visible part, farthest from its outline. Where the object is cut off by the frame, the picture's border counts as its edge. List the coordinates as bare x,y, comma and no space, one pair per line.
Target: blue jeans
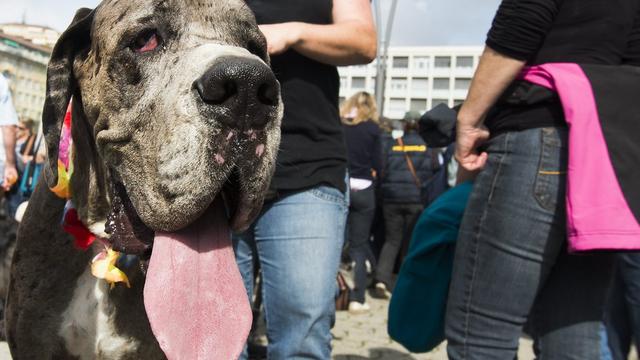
511,267
623,307
298,240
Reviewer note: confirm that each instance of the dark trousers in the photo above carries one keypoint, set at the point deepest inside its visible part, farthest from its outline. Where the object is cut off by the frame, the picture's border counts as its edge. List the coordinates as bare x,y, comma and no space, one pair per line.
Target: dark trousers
512,267
399,220
361,212
623,308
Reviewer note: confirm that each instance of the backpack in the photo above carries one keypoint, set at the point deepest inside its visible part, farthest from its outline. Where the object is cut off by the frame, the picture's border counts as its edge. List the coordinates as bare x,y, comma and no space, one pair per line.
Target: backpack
419,300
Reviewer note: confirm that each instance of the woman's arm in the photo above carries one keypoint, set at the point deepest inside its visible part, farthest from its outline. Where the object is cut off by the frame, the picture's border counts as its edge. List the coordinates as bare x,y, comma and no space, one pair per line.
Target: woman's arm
8,133
349,40
518,30
494,74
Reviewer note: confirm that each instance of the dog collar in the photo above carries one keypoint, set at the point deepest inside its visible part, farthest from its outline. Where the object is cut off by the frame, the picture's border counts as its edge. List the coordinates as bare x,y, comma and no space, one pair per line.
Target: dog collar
103,265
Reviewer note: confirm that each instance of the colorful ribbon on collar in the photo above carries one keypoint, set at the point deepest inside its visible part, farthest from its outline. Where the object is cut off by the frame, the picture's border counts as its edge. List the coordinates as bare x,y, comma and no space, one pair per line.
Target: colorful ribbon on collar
72,225
65,159
103,265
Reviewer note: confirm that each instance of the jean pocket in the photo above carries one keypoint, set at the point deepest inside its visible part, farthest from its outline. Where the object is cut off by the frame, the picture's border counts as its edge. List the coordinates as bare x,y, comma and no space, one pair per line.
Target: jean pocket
551,177
329,193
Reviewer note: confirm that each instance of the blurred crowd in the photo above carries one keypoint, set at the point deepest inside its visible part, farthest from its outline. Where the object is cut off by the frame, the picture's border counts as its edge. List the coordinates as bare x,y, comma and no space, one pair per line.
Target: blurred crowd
21,155
393,176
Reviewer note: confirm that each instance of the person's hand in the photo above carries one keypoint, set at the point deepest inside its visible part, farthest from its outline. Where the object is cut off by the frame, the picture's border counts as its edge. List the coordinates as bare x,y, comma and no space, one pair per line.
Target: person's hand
10,177
280,37
468,139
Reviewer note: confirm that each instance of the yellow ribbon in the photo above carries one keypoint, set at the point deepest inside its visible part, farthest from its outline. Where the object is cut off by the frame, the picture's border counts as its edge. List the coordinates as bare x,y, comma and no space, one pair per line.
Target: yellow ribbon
104,267
63,188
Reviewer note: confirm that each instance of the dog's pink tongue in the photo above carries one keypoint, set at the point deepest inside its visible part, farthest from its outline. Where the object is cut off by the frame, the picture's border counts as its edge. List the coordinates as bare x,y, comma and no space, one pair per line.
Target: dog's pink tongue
194,296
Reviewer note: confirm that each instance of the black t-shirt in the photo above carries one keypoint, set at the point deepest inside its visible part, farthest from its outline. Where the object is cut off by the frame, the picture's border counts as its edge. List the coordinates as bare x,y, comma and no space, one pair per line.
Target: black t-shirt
312,150
364,150
576,31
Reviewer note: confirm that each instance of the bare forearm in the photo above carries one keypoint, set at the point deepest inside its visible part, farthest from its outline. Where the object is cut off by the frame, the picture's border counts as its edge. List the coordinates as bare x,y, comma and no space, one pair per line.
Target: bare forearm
9,141
348,40
494,74
346,43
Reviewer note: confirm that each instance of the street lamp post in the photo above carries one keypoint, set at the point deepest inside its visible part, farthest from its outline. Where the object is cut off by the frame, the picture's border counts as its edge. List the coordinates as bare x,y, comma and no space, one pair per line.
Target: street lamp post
383,51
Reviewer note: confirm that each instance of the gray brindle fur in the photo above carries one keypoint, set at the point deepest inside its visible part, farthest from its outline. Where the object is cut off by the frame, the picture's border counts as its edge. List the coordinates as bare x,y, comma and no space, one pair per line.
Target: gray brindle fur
138,120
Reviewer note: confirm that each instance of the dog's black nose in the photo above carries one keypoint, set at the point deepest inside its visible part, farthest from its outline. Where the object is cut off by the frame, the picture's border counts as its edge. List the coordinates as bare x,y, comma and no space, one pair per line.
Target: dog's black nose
243,91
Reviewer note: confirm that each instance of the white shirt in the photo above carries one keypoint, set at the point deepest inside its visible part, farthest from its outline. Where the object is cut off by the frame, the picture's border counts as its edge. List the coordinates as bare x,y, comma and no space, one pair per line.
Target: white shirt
8,116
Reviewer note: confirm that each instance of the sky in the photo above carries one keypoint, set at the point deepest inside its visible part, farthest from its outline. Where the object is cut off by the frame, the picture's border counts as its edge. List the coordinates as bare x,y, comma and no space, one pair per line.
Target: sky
417,22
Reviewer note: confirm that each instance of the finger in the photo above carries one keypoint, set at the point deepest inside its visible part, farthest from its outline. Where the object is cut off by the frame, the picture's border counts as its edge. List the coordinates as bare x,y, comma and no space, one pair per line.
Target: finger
474,162
480,161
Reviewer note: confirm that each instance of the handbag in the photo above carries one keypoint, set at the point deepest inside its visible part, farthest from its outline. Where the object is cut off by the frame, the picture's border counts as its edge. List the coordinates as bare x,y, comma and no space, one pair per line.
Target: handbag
418,303
342,298
32,170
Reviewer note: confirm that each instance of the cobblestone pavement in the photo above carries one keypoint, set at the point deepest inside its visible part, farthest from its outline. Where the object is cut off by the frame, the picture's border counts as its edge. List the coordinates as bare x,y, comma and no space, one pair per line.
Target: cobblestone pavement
364,336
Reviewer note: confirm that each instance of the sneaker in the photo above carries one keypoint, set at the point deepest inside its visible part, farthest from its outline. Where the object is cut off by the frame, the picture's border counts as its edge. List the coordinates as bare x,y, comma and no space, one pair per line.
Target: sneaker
381,291
358,308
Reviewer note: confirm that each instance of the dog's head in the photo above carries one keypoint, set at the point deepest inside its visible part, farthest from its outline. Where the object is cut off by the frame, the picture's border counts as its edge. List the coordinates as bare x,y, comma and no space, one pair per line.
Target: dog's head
174,105
173,99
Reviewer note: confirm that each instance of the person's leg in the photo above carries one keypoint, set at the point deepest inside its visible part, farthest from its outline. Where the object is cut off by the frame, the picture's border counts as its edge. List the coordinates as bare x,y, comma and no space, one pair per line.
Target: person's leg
299,239
605,350
510,238
630,273
567,318
378,229
617,319
244,246
361,211
393,223
410,214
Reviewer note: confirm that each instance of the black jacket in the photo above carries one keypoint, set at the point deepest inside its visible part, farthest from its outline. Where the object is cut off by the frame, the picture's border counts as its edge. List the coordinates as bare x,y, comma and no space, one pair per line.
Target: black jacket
397,183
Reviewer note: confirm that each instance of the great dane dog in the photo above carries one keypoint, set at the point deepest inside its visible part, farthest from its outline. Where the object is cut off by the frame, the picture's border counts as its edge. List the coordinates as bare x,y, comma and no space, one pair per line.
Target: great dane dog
176,118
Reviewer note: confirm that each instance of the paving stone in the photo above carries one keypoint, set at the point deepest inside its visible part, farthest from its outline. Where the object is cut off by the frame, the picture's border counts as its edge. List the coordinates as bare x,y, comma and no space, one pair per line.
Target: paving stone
364,336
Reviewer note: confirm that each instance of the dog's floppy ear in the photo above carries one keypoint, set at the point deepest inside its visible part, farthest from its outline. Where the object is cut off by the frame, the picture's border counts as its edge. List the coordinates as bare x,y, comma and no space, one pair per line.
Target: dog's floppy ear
61,84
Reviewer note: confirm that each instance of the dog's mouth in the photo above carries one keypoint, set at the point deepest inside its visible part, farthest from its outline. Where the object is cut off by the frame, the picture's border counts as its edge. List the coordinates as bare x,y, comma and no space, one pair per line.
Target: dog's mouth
130,235
194,295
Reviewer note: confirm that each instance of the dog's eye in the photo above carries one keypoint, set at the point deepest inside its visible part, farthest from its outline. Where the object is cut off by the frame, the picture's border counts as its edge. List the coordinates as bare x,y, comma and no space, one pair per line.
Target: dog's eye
145,42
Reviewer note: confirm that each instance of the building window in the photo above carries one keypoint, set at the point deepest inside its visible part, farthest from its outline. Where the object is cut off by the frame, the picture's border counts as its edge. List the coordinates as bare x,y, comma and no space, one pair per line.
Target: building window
400,62
419,86
436,102
464,62
398,84
421,62
419,105
441,84
357,82
457,102
397,105
462,84
442,62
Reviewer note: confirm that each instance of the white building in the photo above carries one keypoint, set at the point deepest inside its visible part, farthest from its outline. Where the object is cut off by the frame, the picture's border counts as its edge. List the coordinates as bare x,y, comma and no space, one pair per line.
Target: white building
418,78
24,64
36,34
